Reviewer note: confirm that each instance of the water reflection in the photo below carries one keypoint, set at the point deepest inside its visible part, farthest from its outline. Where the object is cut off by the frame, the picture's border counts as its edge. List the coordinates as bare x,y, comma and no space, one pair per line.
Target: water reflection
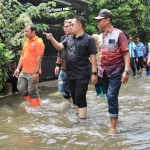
55,125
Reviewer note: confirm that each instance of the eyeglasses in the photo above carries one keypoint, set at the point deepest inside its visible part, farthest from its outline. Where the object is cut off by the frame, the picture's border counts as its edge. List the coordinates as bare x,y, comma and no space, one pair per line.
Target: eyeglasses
66,27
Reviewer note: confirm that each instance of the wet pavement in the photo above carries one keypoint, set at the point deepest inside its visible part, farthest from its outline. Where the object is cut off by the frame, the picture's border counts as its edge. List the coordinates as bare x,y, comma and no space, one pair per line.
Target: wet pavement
55,125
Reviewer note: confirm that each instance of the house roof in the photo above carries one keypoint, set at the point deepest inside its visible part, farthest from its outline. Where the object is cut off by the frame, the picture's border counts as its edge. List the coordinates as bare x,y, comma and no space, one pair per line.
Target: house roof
79,5
60,3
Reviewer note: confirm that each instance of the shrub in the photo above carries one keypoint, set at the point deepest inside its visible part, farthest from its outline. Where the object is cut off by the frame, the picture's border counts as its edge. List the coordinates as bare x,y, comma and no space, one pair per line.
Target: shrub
5,57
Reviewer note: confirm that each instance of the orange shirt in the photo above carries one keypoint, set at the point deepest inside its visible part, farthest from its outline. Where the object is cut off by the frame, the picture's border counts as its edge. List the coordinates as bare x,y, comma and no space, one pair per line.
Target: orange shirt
31,49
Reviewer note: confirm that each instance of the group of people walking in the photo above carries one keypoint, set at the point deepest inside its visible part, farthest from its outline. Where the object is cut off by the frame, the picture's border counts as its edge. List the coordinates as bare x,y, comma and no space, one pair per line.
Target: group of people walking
104,58
138,56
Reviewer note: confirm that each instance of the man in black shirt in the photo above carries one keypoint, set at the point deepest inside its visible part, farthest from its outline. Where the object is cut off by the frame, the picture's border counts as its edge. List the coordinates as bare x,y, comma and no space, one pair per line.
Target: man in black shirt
79,47
63,82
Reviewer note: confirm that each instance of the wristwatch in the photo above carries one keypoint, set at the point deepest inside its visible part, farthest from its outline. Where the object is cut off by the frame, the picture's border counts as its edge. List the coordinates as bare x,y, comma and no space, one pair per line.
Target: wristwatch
94,73
36,71
127,71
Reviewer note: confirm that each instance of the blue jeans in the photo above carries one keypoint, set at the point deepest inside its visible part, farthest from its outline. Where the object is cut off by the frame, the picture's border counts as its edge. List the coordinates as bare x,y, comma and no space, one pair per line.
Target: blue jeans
63,85
112,85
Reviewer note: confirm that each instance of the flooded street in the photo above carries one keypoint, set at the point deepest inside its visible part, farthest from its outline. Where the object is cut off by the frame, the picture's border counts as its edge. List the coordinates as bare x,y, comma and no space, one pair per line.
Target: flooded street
55,125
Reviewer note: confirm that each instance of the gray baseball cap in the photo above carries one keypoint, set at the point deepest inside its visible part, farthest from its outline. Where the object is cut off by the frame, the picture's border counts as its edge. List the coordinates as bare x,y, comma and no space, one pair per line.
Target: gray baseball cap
104,13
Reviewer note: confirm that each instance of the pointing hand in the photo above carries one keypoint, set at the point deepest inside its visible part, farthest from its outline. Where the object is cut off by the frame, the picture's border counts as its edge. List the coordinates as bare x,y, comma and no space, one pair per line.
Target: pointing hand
49,36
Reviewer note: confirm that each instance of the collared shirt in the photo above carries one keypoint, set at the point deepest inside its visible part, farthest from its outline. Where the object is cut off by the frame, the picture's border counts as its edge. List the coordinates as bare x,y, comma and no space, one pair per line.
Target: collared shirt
31,49
139,49
112,47
131,47
78,52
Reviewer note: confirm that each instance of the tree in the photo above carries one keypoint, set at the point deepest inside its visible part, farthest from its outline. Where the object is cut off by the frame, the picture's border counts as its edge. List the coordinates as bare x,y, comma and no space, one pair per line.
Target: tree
5,57
92,11
131,16
14,17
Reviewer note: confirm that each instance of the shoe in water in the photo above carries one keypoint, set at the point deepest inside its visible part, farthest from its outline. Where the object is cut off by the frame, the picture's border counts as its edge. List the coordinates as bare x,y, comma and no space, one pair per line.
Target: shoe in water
111,131
97,95
142,75
104,96
82,119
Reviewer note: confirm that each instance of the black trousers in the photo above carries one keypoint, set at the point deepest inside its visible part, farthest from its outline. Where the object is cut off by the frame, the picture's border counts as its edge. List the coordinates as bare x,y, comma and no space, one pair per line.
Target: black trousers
140,63
78,89
132,64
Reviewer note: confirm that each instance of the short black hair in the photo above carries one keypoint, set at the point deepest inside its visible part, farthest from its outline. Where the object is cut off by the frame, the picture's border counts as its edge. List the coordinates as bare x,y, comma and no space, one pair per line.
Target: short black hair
81,20
127,36
137,37
32,27
111,19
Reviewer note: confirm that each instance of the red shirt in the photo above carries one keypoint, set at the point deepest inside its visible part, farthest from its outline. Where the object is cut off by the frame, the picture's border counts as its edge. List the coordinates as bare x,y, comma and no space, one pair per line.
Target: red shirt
112,47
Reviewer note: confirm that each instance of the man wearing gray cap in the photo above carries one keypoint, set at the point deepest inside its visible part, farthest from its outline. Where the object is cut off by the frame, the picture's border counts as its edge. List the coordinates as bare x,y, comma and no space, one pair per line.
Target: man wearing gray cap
114,62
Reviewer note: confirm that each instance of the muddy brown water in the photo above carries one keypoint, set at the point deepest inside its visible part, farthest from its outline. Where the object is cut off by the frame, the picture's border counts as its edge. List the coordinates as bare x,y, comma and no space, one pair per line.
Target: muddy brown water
55,125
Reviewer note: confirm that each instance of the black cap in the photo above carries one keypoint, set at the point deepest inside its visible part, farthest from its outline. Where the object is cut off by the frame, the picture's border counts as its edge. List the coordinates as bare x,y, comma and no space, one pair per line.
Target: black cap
104,13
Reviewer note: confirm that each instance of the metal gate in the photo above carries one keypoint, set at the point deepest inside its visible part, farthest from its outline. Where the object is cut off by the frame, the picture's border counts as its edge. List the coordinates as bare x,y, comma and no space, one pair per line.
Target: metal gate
50,54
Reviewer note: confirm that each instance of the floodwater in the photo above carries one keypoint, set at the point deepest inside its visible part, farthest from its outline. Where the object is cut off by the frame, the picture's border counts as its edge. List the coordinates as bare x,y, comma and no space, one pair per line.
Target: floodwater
55,125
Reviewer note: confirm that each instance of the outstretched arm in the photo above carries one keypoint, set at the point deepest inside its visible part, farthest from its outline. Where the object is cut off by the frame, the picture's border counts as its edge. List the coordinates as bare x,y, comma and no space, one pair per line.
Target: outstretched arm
57,45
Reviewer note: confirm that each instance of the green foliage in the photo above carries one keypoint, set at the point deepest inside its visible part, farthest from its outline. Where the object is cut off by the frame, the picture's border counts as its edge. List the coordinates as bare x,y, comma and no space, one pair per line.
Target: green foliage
131,16
14,17
5,57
